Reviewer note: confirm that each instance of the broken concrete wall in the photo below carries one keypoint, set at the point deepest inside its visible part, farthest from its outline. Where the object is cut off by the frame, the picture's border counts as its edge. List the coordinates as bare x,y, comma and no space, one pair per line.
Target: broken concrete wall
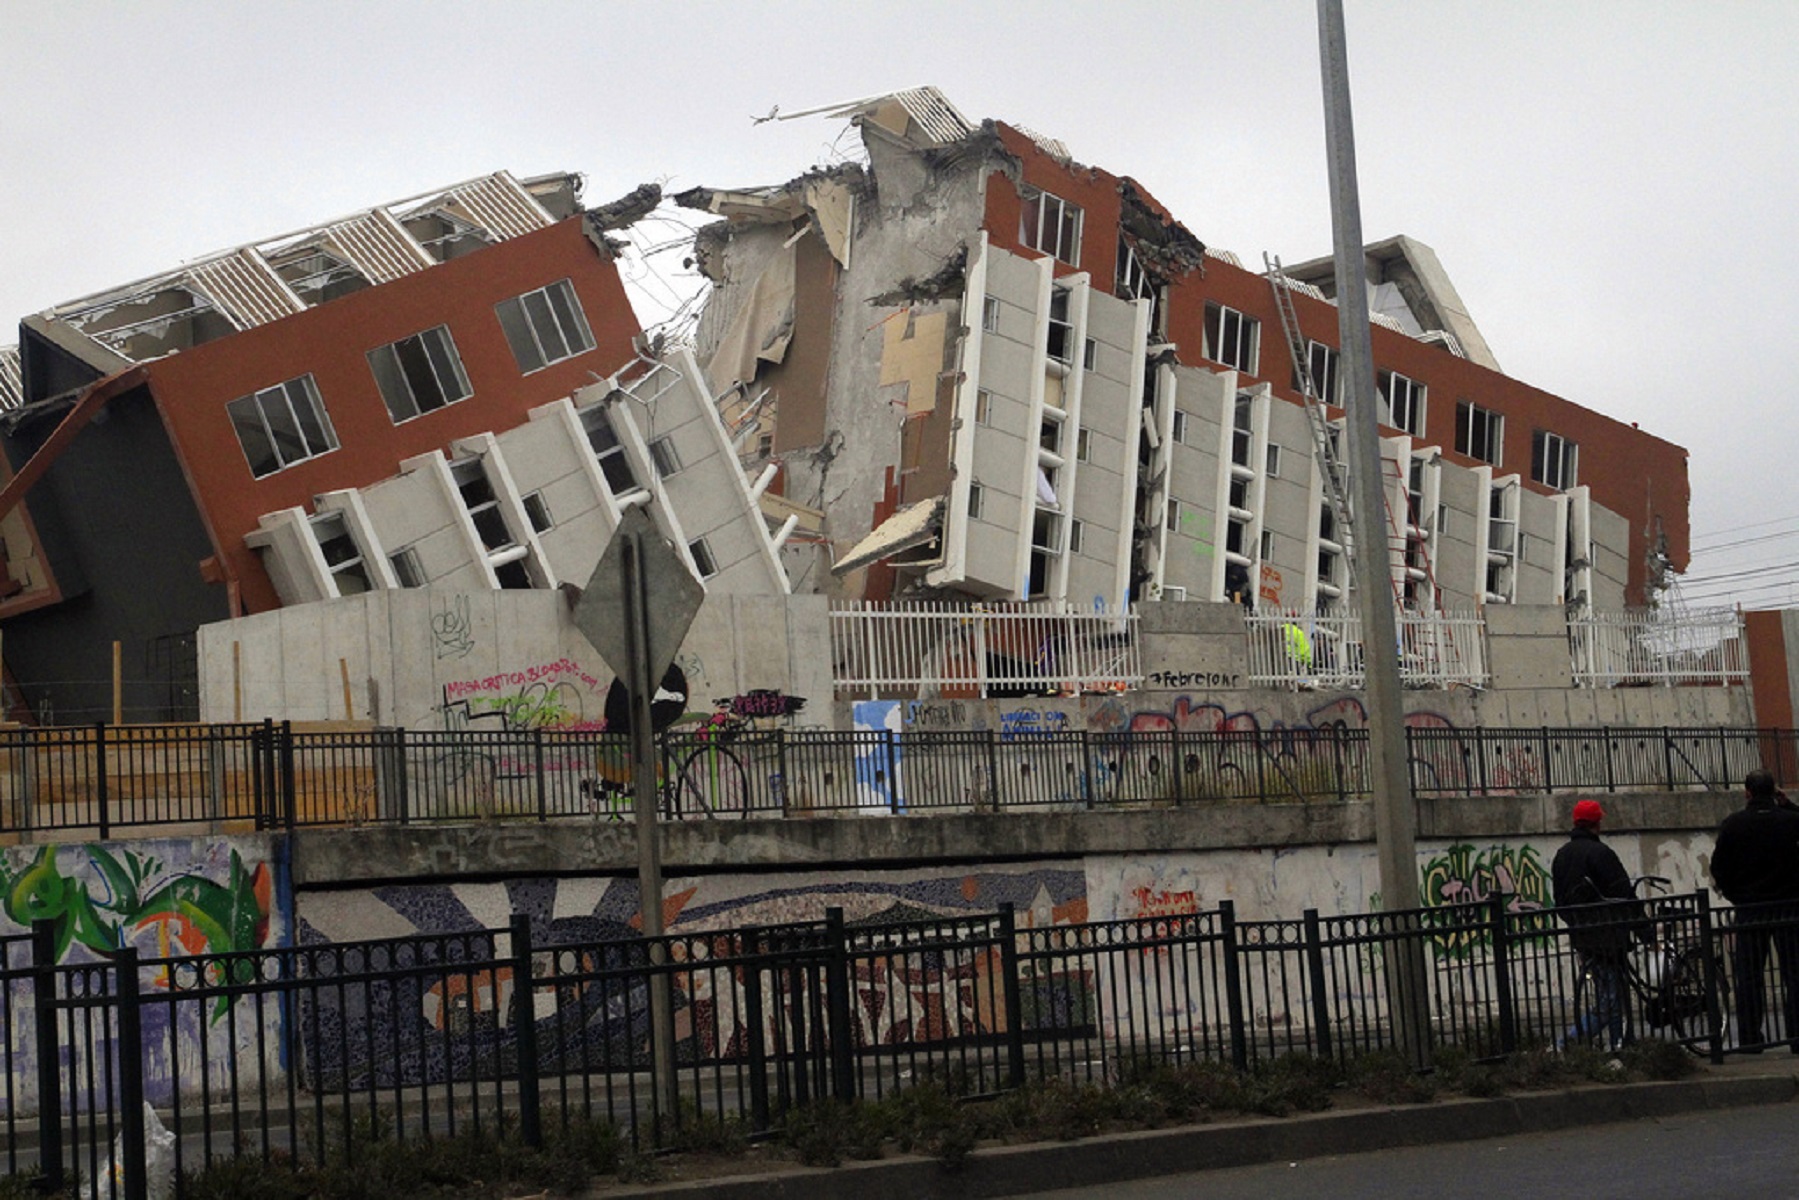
917,218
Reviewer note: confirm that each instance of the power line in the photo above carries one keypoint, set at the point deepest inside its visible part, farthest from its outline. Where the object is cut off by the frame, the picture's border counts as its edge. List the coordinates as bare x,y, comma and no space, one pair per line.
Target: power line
1746,571
1751,525
1749,541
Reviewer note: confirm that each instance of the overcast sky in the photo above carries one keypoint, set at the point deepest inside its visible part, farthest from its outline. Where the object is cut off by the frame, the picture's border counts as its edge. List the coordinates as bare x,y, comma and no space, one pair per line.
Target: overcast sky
1610,185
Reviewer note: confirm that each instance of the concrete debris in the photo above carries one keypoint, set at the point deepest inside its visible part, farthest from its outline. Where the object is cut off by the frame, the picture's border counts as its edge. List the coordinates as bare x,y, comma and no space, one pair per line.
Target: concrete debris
945,283
627,210
1165,246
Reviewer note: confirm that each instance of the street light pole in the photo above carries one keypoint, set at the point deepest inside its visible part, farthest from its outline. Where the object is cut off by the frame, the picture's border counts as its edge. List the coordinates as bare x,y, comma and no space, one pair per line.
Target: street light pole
1395,818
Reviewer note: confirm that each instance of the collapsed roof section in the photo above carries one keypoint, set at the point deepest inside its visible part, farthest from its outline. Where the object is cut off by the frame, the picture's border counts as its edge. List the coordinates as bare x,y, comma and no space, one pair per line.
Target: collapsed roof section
1409,291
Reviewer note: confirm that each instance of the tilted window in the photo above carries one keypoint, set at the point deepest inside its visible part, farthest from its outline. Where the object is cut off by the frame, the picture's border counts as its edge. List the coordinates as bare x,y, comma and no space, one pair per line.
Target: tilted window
1479,432
419,374
1405,402
343,557
545,326
1052,225
282,425
1553,459
1231,338
615,464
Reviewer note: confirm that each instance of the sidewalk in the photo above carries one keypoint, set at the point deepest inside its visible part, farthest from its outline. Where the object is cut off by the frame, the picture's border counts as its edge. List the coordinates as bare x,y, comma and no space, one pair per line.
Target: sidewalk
1045,1166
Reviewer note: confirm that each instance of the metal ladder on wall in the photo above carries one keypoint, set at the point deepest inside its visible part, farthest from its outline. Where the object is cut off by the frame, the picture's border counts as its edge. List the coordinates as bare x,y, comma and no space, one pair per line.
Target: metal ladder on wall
1335,473
1336,478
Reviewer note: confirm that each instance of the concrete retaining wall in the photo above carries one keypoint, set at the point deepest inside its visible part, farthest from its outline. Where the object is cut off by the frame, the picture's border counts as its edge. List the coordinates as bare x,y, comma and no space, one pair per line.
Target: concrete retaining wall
434,659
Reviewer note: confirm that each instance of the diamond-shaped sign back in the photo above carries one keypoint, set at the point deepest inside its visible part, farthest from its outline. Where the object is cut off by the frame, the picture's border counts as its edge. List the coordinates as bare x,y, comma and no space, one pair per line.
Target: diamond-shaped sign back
673,597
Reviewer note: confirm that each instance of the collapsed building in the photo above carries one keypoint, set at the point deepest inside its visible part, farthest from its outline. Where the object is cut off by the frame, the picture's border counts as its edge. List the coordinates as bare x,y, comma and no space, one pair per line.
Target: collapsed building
964,369
1007,375
446,390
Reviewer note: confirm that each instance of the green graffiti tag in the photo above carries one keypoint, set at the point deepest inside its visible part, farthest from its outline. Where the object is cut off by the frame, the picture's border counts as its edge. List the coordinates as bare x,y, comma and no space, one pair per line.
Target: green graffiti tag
193,914
1464,875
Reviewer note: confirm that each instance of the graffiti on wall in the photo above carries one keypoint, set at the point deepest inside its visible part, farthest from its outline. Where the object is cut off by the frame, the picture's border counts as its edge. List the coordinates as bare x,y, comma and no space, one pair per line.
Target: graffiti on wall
1464,875
452,632
1031,722
551,695
1187,715
103,900
164,899
442,1023
762,704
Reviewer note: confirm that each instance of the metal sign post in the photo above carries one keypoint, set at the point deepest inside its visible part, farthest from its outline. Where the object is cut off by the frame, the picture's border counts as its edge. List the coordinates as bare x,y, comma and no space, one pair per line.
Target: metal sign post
649,841
639,641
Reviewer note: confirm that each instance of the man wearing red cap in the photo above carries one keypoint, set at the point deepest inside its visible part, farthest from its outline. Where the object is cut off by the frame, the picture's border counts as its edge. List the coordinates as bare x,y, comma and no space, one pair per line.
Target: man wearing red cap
1586,871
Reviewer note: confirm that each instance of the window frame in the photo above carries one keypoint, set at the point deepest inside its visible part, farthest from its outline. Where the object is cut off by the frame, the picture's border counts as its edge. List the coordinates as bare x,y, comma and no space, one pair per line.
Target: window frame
1493,432
1417,396
1177,427
1324,365
256,404
408,567
664,448
704,561
596,419
1566,459
1246,328
527,323
354,565
448,359
989,314
1064,236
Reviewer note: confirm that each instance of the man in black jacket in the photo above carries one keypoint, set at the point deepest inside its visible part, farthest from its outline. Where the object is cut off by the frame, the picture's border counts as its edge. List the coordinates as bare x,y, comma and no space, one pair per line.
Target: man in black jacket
1755,863
1586,875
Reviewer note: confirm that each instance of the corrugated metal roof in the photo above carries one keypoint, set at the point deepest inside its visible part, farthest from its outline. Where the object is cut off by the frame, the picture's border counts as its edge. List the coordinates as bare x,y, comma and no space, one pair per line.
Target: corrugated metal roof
928,108
935,114
243,287
497,204
376,245
1049,145
12,379
1443,338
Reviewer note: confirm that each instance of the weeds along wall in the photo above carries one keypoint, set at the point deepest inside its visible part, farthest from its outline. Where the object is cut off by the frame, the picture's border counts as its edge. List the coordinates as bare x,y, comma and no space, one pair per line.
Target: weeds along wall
450,660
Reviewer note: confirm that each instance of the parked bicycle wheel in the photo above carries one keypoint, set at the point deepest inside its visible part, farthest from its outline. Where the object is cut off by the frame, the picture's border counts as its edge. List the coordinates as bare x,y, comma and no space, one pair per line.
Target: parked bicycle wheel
714,784
1682,998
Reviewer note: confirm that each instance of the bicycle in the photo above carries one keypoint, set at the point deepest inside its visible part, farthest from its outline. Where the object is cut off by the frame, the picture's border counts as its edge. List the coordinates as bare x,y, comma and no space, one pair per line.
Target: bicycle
1656,977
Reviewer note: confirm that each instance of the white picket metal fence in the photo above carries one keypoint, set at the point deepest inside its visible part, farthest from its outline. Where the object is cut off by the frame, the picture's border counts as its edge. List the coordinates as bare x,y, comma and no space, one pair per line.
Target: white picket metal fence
914,648
1292,649
1658,647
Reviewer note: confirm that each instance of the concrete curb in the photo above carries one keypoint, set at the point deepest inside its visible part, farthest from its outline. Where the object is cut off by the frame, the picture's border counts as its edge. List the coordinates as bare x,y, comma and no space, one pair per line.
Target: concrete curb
1045,1166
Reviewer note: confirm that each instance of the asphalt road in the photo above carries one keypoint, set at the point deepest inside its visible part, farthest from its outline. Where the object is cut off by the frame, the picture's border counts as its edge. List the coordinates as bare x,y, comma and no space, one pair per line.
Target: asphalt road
1744,1154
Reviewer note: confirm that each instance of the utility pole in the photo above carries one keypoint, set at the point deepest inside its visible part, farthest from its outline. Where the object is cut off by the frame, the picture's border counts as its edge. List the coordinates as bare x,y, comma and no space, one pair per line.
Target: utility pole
1395,818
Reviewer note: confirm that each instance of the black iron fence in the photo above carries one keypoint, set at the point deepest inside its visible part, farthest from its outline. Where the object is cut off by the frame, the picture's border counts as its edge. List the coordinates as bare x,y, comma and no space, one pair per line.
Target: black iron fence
305,1054
106,778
